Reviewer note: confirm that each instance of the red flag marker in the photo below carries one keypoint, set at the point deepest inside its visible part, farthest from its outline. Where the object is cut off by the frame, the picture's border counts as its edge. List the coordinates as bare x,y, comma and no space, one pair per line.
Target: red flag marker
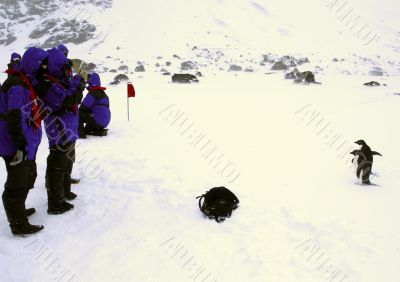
131,93
131,90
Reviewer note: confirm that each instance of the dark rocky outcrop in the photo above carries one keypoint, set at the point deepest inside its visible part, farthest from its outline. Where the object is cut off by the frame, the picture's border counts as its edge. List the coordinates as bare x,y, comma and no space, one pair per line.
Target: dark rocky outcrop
372,84
280,65
376,71
123,68
306,77
235,68
184,78
188,65
119,78
140,68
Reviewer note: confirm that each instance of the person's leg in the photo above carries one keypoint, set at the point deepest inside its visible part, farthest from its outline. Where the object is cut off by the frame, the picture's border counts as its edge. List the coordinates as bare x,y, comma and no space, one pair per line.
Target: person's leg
69,162
55,179
92,128
16,190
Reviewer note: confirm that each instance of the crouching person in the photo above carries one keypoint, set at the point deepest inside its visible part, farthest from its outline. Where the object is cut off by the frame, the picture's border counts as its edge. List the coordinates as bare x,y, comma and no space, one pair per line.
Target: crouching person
61,123
95,109
20,136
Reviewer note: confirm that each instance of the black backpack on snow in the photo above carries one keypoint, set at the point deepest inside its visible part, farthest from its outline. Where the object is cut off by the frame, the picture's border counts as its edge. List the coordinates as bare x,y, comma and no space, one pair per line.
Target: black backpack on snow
218,203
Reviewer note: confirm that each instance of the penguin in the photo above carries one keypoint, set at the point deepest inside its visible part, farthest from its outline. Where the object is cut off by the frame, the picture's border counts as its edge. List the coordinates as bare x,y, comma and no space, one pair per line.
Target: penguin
364,158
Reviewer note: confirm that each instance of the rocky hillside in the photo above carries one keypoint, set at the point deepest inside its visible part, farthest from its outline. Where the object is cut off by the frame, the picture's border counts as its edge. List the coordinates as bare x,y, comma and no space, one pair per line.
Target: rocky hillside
52,24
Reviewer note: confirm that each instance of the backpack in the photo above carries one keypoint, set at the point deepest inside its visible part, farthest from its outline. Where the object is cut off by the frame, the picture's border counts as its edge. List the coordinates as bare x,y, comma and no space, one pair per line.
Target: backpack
218,203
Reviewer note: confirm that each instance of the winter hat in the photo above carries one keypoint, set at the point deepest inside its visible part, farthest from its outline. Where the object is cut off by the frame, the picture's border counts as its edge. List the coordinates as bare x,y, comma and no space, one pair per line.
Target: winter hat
15,57
57,62
32,60
63,49
93,80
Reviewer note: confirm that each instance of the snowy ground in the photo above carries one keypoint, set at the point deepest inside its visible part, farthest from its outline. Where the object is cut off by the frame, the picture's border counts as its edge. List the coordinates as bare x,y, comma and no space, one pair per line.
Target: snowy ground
282,148
137,202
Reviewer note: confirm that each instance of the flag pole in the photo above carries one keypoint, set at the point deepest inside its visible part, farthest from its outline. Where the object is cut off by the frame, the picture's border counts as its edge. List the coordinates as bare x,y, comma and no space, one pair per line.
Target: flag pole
127,102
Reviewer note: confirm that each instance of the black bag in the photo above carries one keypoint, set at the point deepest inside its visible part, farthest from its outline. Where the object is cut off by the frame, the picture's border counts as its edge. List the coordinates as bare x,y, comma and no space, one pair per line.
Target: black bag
218,203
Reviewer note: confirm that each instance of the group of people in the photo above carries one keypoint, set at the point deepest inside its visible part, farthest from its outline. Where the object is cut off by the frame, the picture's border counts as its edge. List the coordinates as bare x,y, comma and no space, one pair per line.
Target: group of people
42,89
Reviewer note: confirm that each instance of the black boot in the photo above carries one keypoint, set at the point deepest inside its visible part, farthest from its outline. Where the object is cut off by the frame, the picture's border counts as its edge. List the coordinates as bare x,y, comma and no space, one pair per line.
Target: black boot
30,211
67,183
75,181
16,215
55,192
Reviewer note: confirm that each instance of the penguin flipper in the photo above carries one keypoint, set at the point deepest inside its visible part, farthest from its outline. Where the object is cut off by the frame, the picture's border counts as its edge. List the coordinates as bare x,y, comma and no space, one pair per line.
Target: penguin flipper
376,153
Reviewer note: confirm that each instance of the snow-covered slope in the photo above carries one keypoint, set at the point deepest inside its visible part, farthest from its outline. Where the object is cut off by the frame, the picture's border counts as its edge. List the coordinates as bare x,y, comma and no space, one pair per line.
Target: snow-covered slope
303,216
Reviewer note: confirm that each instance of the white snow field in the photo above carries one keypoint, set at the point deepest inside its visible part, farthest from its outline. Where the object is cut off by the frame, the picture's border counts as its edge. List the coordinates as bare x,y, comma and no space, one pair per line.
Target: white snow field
282,148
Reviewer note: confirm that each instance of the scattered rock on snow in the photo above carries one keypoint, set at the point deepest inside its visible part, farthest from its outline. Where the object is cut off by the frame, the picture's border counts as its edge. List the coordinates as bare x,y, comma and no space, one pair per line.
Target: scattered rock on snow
376,71
372,84
306,77
140,68
184,78
235,68
123,68
188,65
119,78
280,65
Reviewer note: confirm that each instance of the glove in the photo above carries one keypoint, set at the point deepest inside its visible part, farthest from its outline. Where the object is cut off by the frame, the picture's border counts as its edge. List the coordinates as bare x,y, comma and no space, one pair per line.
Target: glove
18,158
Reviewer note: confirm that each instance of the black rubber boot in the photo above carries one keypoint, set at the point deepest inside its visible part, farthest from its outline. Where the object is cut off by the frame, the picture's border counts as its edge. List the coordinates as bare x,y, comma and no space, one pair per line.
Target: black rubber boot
68,181
75,181
30,211
16,215
55,192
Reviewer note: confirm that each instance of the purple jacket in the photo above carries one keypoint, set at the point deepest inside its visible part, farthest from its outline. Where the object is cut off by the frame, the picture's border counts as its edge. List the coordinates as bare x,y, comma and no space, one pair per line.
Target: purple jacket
17,127
97,102
61,121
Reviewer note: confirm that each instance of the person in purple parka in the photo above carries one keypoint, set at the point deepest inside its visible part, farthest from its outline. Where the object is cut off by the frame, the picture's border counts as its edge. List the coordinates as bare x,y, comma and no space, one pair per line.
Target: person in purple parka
20,136
95,109
14,63
59,94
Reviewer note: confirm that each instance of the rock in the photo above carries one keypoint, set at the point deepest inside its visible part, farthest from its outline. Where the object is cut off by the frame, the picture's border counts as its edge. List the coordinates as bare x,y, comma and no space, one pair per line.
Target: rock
140,68
376,71
176,56
168,64
372,84
235,68
199,74
306,77
249,70
267,59
166,73
335,60
188,65
280,65
157,65
295,74
113,70
159,58
123,68
184,78
119,78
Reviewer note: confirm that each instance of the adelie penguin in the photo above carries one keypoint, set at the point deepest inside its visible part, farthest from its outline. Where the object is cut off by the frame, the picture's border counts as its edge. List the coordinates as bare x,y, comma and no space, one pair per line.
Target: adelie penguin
364,158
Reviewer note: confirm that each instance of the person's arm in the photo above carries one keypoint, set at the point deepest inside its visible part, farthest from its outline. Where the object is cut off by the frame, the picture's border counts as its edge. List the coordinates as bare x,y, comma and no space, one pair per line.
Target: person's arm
16,121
